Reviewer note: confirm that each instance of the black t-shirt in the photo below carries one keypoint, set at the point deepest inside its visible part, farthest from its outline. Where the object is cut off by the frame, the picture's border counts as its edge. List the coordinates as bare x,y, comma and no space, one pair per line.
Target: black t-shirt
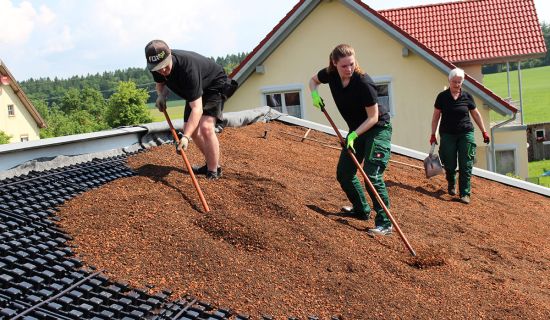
192,74
351,101
455,114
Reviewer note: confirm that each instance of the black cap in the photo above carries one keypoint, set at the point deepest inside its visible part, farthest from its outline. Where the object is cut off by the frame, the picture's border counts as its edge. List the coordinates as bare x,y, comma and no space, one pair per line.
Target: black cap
157,54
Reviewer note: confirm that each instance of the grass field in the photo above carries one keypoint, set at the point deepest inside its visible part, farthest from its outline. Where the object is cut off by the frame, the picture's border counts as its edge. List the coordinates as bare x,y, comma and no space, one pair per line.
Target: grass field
536,169
174,108
535,93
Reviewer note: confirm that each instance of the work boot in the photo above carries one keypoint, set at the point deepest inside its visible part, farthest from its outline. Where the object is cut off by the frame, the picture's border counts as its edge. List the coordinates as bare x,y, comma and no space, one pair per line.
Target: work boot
380,231
212,175
204,170
465,199
451,190
348,211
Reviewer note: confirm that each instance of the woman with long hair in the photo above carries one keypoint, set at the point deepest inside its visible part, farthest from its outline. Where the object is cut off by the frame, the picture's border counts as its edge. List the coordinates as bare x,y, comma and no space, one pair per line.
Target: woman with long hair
369,127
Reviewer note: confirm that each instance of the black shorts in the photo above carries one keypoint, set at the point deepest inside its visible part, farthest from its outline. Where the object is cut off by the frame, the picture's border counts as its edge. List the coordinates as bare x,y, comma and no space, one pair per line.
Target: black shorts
212,105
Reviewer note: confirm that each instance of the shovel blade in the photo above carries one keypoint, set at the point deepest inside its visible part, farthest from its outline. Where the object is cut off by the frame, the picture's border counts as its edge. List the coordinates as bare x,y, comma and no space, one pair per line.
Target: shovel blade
432,166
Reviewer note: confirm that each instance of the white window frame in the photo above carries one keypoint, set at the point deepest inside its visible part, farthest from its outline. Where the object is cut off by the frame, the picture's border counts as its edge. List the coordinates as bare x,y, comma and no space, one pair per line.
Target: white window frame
507,147
543,133
378,80
11,110
297,87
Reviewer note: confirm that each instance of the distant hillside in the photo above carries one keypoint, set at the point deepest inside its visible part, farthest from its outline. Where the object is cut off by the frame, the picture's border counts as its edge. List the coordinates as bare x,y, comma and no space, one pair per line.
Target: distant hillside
52,90
535,91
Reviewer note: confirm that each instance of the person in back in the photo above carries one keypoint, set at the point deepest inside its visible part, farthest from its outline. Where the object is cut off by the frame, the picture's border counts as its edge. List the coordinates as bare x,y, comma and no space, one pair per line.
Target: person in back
454,107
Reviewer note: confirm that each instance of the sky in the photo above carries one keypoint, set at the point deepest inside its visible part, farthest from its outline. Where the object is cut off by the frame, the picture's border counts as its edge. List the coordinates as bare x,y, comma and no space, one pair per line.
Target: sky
64,38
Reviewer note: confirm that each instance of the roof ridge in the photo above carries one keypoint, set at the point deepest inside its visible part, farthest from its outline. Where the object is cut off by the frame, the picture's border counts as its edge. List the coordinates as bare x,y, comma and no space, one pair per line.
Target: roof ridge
427,5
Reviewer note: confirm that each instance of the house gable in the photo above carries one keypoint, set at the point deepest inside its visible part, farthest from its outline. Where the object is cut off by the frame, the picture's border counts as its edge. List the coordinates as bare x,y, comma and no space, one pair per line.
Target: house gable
282,64
296,16
22,120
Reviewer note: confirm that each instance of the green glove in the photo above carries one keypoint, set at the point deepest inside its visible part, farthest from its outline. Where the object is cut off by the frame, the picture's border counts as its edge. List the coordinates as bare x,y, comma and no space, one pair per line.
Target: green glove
317,100
350,139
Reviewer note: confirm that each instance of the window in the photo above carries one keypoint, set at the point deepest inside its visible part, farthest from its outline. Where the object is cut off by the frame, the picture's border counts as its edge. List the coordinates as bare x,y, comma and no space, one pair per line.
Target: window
11,110
384,90
285,99
384,96
24,137
506,161
539,134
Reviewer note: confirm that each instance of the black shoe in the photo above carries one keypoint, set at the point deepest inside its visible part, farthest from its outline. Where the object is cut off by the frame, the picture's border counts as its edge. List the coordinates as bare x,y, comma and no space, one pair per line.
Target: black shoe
212,175
348,211
204,170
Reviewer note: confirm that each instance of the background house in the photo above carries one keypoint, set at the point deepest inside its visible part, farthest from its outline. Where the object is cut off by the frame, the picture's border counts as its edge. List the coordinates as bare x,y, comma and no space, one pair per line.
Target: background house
18,117
408,71
538,138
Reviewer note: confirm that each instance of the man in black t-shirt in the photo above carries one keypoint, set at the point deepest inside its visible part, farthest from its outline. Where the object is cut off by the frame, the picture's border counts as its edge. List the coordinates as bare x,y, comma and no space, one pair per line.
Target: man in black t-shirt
200,82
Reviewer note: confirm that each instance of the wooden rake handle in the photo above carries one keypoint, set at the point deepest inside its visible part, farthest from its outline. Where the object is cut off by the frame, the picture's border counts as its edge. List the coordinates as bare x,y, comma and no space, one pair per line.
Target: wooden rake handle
369,184
187,164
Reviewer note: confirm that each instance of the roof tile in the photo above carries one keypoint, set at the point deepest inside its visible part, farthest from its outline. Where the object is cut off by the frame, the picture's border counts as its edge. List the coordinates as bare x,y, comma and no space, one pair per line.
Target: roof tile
474,30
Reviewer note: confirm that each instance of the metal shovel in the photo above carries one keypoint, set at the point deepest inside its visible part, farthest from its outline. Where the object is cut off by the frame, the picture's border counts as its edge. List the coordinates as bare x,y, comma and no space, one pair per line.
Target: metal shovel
432,164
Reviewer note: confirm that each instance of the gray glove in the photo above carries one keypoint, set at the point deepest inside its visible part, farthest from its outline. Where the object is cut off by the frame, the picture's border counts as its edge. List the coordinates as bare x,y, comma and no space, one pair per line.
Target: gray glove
161,103
183,144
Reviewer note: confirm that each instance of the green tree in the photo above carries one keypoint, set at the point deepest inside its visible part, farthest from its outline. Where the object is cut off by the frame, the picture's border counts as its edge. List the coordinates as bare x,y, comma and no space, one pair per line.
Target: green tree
77,119
59,124
127,106
4,138
90,103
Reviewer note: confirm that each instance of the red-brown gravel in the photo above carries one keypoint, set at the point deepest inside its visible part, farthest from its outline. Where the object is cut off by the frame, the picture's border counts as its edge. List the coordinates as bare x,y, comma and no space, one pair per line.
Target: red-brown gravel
274,241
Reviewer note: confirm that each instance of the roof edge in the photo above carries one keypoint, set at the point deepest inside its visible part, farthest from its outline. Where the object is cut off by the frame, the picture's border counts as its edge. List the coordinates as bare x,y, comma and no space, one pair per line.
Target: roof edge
495,102
521,184
23,97
240,71
504,59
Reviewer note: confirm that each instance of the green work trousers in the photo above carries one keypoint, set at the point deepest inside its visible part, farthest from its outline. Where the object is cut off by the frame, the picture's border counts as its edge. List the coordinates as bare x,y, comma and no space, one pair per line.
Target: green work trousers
374,147
463,147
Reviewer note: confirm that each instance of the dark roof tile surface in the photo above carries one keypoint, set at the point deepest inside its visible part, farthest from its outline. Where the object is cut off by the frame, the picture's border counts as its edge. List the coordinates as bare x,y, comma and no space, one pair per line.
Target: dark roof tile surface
39,276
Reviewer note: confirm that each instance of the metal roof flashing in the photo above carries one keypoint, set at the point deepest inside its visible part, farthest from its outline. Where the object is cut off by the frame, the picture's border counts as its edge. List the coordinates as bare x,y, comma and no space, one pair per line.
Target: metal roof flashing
20,158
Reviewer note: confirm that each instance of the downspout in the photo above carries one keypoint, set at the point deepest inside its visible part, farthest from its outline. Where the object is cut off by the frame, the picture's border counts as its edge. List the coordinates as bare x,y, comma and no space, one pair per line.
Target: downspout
493,129
508,79
520,93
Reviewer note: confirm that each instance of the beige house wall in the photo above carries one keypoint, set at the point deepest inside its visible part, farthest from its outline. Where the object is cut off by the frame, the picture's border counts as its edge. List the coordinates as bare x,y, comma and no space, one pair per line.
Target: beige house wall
473,71
414,83
22,123
516,141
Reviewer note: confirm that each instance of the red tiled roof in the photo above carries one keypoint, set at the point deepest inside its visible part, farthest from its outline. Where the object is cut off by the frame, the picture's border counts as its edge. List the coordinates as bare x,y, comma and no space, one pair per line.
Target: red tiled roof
475,30
404,34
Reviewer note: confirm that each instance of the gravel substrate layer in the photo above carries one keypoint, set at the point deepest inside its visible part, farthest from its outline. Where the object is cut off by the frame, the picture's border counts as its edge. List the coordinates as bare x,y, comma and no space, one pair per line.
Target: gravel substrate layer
275,243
